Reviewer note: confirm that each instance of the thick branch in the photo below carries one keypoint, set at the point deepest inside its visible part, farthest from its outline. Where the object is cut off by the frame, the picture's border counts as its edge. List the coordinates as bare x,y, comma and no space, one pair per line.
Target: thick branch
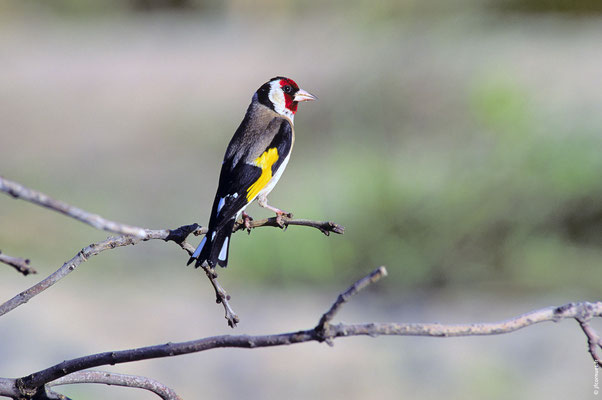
572,310
110,378
579,310
20,264
8,388
19,191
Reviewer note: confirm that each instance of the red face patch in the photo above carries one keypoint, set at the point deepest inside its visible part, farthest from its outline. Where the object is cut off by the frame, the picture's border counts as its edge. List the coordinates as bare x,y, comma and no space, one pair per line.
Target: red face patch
287,81
289,97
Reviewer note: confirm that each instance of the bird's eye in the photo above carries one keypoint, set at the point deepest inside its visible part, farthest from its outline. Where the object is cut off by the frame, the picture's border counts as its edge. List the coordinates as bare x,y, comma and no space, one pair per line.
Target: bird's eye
287,89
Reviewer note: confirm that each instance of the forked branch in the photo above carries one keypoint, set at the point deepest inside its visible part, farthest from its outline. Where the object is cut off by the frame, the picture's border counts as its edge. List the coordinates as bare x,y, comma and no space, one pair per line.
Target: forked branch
31,383
38,384
81,256
130,235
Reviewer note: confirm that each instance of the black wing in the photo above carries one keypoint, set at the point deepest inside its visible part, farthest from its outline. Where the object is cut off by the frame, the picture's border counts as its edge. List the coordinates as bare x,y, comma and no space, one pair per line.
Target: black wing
237,176
283,142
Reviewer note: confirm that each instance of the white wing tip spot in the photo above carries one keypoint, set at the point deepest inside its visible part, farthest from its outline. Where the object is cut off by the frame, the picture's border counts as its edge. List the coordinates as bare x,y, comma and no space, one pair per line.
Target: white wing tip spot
220,205
224,251
199,248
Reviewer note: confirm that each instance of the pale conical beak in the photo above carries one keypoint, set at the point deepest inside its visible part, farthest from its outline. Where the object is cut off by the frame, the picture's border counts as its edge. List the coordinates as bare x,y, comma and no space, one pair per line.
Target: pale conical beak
302,95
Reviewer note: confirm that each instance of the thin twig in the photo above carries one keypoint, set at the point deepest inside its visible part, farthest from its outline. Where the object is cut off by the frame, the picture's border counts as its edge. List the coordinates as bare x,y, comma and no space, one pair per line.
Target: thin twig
594,342
324,226
92,250
30,383
323,325
19,191
20,264
221,296
131,236
177,235
110,378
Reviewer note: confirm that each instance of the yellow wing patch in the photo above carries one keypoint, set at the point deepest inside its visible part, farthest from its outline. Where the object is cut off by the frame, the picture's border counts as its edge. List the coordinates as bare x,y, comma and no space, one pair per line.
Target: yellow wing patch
265,162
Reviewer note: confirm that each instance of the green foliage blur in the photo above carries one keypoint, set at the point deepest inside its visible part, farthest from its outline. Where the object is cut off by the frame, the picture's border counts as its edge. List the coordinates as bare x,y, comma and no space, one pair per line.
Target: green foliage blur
458,142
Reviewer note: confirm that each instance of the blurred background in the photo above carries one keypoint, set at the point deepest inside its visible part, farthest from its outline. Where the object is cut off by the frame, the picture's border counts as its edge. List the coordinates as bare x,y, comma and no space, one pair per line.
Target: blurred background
458,142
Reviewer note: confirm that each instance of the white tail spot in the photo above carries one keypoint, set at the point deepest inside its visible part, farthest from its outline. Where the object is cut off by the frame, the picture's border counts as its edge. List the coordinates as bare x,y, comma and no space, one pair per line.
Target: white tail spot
199,248
224,251
220,204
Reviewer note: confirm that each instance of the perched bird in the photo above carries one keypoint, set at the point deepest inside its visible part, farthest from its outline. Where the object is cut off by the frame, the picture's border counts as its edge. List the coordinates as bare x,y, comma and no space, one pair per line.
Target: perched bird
255,159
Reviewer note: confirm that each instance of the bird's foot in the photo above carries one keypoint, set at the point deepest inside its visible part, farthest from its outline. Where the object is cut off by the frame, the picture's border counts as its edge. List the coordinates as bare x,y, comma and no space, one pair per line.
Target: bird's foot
263,202
246,220
280,215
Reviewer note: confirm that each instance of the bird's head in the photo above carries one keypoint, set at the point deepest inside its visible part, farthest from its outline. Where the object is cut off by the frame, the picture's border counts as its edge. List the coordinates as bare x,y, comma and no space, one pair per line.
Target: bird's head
282,95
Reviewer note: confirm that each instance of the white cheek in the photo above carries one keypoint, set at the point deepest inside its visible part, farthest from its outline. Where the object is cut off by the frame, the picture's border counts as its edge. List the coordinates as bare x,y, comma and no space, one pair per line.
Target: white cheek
277,98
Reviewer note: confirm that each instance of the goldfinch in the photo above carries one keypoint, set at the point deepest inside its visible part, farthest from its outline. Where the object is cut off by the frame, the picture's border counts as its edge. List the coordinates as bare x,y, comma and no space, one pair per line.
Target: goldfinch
255,159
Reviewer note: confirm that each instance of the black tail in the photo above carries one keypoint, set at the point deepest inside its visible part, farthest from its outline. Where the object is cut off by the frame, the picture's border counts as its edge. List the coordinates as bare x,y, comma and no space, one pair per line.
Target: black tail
214,248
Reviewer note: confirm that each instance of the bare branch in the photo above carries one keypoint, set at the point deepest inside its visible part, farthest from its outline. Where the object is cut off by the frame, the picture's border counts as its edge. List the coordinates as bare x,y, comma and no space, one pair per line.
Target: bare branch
20,264
67,268
8,388
594,342
324,226
323,326
221,297
130,236
92,250
48,394
19,191
110,378
177,235
572,310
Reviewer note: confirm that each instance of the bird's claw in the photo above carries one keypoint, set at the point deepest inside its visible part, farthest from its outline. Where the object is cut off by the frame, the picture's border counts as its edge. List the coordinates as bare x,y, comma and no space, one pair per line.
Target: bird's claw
280,218
246,220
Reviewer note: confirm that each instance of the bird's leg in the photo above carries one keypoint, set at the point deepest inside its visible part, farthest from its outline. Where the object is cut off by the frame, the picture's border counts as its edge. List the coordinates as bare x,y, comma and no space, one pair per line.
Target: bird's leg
263,202
246,219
